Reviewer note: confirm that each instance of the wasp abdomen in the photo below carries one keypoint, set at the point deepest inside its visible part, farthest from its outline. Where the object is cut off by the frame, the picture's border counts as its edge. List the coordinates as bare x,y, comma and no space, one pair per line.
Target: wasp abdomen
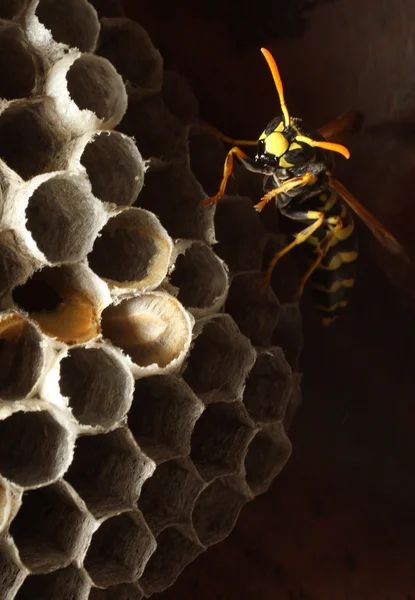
336,273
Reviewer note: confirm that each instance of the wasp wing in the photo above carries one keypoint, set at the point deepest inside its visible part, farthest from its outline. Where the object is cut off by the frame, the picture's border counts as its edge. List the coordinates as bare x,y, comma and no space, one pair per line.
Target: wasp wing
381,234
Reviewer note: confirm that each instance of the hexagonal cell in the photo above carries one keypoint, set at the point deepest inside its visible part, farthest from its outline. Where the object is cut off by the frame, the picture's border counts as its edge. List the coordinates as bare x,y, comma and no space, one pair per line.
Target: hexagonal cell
240,234
11,574
255,312
133,250
206,158
97,153
15,268
288,333
268,387
158,133
174,552
119,550
175,196
22,356
63,217
98,384
153,329
88,92
63,584
167,498
219,361
200,277
108,471
179,98
74,22
163,415
65,301
34,447
124,591
51,530
18,64
220,440
267,454
217,509
129,48
29,119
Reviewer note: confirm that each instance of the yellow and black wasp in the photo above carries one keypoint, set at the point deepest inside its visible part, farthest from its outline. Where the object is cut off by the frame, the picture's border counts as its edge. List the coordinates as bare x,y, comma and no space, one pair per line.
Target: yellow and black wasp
298,164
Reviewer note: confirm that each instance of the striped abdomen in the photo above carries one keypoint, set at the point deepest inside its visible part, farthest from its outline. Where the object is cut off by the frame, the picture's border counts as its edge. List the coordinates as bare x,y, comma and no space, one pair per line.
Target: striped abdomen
335,275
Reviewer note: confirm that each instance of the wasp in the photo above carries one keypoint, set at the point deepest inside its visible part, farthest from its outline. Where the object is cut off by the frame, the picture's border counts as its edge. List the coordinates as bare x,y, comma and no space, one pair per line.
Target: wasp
297,165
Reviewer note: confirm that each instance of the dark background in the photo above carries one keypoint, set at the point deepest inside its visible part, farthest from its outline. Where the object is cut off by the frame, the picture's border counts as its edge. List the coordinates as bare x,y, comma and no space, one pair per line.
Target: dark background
339,522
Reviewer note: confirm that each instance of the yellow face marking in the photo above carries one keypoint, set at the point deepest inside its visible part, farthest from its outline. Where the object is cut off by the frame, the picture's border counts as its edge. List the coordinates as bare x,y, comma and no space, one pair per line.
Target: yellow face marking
294,146
276,144
285,164
280,127
262,136
337,285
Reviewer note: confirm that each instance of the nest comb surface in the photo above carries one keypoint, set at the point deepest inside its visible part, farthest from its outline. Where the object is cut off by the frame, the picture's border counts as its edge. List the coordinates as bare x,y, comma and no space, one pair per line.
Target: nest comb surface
145,385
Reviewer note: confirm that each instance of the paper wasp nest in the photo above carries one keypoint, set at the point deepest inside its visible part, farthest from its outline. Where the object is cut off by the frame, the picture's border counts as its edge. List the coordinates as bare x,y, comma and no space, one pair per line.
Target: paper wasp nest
144,381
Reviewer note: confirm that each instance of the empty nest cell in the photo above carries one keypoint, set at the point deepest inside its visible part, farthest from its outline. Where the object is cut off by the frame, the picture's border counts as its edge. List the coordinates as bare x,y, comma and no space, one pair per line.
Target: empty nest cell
11,576
62,584
153,329
34,448
268,387
174,552
18,63
88,92
220,440
119,550
50,530
22,356
133,250
217,509
73,22
158,133
255,311
240,234
267,454
129,48
98,384
167,498
219,361
25,120
64,218
108,471
200,277
113,164
123,591
173,193
65,301
163,415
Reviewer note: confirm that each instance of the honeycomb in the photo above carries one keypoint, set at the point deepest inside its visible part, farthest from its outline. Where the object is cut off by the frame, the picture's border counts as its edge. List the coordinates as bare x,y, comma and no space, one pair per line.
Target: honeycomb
145,384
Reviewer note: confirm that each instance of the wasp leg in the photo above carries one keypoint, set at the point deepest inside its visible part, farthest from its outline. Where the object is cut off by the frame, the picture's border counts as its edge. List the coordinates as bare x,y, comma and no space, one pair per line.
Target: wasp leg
227,172
299,238
226,138
321,251
285,187
347,123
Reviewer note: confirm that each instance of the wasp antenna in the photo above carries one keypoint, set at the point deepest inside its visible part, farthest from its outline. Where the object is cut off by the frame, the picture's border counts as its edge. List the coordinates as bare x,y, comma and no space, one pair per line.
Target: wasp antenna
325,145
278,83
